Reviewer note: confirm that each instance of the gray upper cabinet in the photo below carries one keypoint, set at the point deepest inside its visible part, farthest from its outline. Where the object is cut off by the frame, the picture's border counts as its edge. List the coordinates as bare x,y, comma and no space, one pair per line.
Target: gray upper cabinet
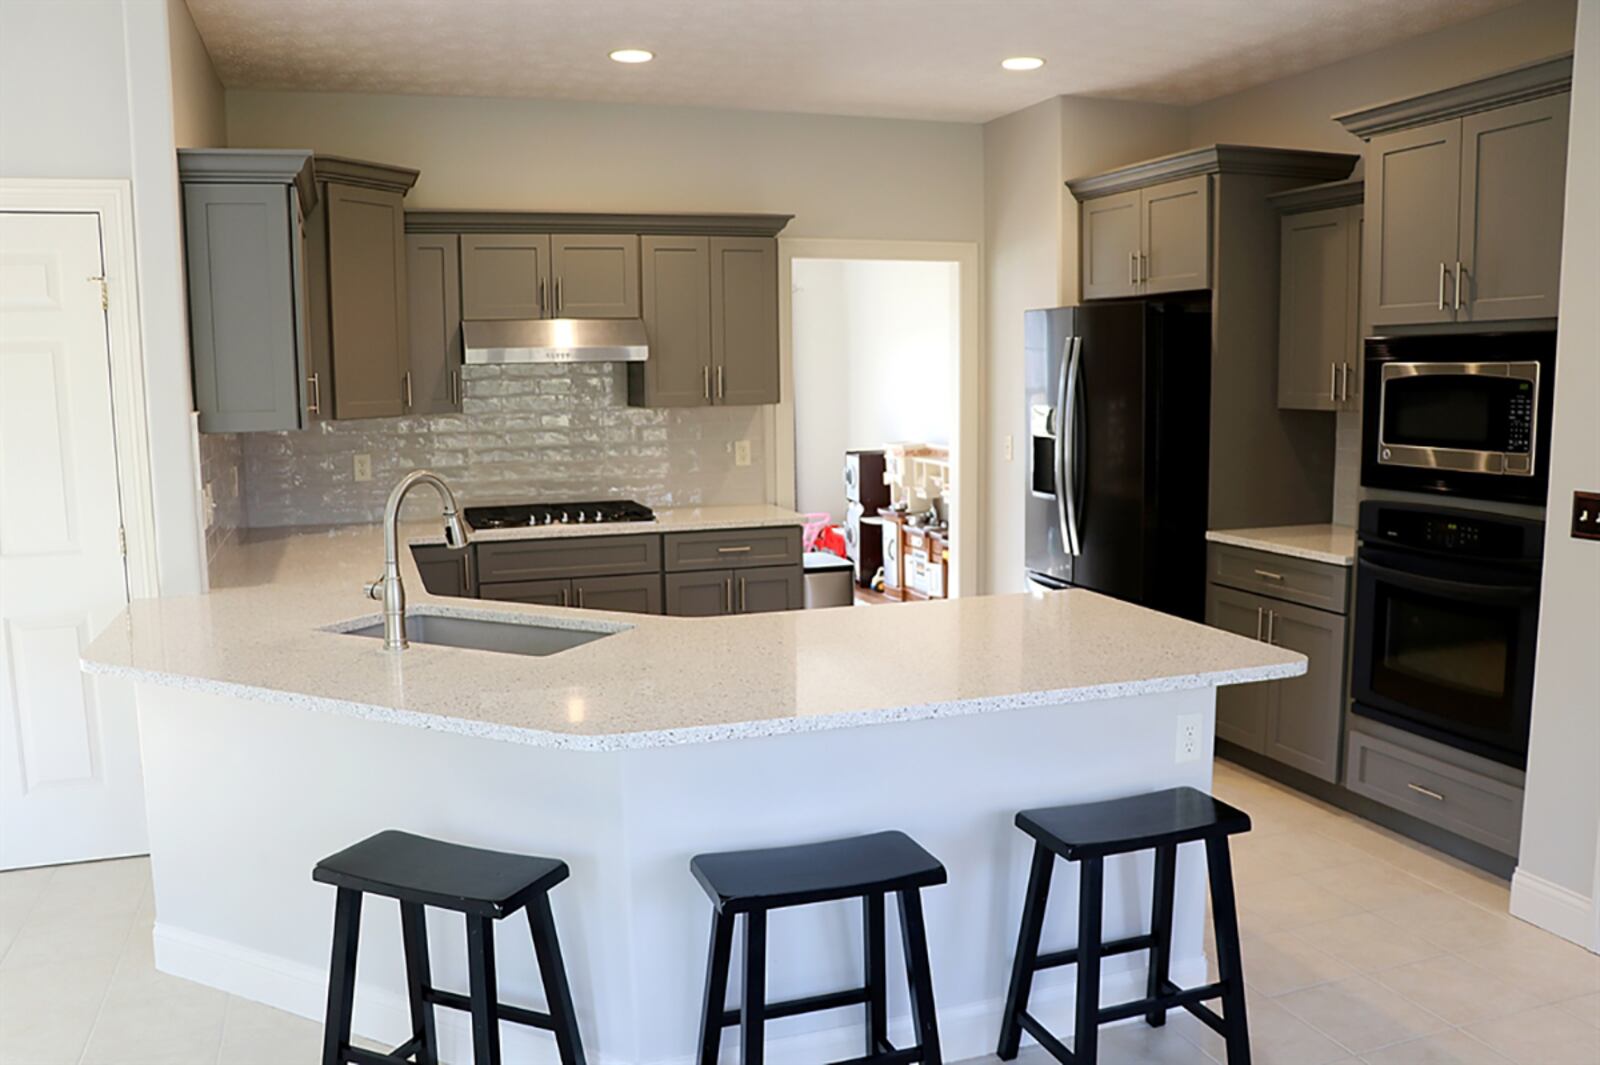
744,320
1175,236
369,327
433,274
1110,245
1465,189
505,276
596,275
1513,181
1319,313
676,281
245,250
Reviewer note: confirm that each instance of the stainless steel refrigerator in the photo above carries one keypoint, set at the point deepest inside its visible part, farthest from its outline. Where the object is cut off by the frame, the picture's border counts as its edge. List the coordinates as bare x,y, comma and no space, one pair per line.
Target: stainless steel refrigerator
1118,402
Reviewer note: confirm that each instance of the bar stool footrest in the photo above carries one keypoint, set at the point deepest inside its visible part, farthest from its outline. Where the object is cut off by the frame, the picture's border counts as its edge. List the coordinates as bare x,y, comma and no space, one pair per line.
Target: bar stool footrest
400,1055
891,1056
1172,997
1058,958
829,1000
505,1012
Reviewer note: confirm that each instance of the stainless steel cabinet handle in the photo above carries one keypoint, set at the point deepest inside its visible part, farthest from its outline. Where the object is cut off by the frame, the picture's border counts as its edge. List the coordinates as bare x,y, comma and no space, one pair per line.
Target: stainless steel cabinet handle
580,598
1272,626
1269,575
1443,269
739,550
1333,382
407,381
1429,792
542,311
727,591
1261,617
315,406
721,391
705,380
742,598
1457,300
1133,268
1344,386
559,300
563,597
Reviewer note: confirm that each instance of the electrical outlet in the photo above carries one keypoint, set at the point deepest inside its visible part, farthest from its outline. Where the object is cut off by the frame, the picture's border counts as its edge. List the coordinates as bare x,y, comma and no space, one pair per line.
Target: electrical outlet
1009,447
363,467
741,453
1586,515
1189,731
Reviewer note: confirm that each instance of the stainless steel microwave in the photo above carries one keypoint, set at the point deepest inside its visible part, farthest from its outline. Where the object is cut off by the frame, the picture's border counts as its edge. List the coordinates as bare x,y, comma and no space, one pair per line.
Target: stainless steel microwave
1461,414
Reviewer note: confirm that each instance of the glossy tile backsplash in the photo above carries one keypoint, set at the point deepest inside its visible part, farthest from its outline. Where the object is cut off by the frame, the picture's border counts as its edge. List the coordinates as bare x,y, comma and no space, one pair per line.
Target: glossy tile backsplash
525,432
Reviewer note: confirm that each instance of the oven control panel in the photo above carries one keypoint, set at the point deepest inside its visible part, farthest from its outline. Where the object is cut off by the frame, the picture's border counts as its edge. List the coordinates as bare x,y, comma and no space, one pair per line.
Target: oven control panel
1449,532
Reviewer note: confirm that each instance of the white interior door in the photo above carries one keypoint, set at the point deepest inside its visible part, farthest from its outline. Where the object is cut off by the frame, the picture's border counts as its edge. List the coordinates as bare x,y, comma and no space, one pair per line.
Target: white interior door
70,784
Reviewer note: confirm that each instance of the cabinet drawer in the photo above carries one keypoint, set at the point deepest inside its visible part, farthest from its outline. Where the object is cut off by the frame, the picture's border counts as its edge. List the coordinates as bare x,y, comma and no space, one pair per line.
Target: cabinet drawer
588,556
1457,799
777,546
1319,584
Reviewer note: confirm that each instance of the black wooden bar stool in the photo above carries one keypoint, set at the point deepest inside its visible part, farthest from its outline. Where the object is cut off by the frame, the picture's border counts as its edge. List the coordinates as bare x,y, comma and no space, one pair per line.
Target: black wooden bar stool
484,886
1088,834
755,882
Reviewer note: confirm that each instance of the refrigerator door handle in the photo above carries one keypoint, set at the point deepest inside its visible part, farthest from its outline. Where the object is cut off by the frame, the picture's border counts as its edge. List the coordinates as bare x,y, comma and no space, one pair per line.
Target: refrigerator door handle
1066,428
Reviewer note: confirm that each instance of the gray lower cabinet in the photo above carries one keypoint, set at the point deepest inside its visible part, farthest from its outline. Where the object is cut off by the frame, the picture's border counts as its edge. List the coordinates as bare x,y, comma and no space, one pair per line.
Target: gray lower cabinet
433,276
245,252
596,275
700,594
634,594
505,276
778,545
586,556
765,589
714,593
1482,802
445,570
534,593
1300,721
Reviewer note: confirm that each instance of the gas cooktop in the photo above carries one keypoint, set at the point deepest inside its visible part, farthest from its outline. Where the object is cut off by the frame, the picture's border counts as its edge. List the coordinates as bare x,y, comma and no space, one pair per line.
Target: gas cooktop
600,512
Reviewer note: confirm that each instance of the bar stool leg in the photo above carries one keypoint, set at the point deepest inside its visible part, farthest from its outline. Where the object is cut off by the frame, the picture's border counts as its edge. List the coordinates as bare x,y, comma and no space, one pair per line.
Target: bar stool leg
716,998
553,972
1033,905
1086,1030
1230,972
1161,929
919,977
877,980
485,993
419,981
752,1011
342,976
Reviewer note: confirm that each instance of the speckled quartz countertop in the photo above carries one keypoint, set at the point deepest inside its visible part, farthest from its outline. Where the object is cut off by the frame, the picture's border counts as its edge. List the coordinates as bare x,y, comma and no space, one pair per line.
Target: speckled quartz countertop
268,630
1333,544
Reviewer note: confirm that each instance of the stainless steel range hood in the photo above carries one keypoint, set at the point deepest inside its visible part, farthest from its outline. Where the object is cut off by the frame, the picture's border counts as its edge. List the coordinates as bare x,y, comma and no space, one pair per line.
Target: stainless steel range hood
556,340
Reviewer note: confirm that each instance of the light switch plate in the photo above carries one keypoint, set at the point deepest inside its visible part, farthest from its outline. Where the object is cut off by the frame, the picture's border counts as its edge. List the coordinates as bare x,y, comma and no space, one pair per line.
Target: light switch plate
363,467
1586,515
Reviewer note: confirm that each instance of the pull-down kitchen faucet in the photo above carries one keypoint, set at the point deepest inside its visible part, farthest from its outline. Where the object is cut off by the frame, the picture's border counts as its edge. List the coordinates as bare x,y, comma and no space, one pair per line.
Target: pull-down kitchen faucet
389,587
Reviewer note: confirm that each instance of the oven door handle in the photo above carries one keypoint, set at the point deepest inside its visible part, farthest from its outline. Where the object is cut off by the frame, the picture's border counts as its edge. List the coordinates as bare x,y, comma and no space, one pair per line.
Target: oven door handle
1481,593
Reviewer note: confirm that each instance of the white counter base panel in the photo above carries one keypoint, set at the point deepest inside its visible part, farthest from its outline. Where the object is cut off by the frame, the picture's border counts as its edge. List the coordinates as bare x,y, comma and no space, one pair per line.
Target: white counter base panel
245,796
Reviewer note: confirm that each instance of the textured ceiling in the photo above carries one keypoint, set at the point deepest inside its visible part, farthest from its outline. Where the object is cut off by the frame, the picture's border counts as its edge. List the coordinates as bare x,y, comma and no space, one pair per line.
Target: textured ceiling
936,59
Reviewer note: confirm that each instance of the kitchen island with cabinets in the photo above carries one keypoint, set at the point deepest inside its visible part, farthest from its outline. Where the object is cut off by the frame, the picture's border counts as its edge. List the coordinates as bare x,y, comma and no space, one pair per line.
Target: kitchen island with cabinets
273,734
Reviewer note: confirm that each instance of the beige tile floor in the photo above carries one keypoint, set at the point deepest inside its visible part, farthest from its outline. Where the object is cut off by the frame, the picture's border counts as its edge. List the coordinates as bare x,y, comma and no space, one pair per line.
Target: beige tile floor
1359,947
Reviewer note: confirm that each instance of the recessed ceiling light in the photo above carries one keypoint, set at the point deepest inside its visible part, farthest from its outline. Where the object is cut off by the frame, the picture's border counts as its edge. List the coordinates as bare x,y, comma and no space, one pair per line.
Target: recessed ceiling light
1022,62
632,55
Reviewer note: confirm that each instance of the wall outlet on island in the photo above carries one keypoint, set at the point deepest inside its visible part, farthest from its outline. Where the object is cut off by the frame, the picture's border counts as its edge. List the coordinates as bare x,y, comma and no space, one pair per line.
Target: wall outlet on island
363,467
741,453
1189,731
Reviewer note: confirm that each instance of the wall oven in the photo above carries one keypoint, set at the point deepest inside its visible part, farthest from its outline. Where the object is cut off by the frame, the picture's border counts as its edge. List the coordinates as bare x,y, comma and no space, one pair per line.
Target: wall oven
1447,603
1461,414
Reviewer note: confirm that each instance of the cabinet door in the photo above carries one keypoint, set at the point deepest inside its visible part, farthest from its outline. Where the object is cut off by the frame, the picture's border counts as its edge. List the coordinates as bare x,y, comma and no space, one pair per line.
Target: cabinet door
676,279
1414,195
1513,182
505,275
638,594
744,320
1314,309
433,276
241,243
764,589
596,276
1241,708
444,570
535,593
1175,236
1109,242
1350,390
703,594
1305,720
367,294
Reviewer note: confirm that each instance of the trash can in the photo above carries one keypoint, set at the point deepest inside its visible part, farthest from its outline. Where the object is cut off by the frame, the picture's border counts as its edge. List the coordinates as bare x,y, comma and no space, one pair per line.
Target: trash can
830,580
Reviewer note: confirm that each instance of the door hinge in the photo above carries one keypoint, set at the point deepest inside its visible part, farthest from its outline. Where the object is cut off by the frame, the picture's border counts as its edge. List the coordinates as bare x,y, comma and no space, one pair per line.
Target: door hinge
105,292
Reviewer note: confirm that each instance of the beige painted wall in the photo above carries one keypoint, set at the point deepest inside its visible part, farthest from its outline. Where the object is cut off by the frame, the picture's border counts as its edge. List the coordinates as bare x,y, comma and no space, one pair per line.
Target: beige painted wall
1296,112
840,177
198,117
1561,818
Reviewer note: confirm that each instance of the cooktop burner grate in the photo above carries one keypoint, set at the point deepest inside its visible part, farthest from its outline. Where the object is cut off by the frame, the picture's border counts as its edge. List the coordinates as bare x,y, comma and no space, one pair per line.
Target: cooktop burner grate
599,512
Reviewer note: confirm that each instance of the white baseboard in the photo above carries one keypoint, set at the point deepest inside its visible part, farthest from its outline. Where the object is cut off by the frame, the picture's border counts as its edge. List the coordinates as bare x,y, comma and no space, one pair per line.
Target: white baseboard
967,1031
1554,908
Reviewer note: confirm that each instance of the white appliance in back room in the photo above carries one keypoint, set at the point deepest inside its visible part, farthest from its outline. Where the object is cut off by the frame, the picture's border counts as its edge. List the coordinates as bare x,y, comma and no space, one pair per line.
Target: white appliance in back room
865,494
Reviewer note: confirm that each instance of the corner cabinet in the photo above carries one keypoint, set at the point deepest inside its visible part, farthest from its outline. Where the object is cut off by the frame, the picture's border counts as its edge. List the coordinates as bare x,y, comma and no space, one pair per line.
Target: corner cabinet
245,252
1465,192
1319,312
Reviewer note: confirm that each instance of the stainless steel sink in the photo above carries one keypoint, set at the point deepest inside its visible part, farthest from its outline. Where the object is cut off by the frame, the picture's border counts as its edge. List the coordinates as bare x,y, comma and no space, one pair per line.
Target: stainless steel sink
479,634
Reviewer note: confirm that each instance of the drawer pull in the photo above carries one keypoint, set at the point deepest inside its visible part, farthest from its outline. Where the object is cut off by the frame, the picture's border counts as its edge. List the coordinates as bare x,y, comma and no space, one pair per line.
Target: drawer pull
740,550
1267,574
1429,792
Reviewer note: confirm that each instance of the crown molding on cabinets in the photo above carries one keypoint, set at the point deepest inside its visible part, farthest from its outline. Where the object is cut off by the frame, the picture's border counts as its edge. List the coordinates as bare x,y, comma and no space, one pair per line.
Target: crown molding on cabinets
251,166
1216,159
1543,78
709,225
1345,193
359,173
